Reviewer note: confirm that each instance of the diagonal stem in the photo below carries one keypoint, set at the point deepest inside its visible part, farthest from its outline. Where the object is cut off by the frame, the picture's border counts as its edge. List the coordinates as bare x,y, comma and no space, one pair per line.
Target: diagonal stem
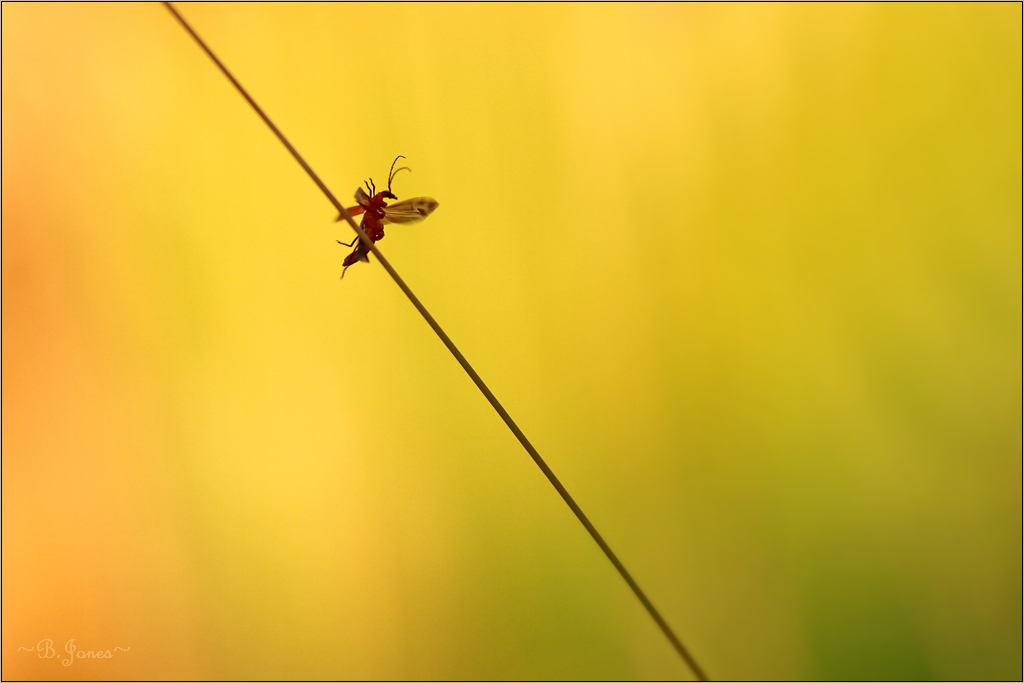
648,605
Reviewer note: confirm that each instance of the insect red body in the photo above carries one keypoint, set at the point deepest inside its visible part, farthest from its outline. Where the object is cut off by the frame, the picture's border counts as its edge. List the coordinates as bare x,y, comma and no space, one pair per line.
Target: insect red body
376,212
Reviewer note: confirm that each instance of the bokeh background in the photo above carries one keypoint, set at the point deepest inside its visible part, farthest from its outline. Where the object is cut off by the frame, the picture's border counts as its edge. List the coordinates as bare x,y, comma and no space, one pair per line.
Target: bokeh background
749,276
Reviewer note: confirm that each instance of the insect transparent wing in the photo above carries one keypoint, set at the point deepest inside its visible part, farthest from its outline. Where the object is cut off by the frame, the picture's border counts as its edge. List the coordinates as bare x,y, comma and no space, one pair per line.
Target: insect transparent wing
410,210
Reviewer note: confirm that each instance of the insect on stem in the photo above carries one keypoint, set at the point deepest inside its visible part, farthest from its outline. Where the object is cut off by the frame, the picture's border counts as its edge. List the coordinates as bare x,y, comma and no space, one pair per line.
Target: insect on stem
446,340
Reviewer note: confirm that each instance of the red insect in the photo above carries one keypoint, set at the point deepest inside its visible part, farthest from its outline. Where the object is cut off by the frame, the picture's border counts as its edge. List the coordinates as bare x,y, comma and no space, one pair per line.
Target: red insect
376,213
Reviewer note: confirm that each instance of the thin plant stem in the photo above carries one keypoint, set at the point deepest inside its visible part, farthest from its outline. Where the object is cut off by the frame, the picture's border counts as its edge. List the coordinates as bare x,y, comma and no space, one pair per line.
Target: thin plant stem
446,340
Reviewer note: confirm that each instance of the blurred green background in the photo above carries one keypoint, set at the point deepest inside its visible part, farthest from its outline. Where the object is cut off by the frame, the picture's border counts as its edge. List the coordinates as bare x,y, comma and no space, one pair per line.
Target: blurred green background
749,276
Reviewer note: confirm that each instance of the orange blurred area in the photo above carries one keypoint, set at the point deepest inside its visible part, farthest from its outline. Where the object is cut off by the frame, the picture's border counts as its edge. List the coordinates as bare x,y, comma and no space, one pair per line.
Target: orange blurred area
749,277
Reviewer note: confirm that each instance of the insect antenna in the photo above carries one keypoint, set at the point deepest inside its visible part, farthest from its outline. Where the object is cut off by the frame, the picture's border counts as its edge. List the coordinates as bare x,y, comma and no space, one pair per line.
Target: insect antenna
392,173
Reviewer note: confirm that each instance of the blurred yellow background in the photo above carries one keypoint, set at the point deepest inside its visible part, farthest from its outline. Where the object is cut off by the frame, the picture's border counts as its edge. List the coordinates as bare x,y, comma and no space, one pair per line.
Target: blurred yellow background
749,276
